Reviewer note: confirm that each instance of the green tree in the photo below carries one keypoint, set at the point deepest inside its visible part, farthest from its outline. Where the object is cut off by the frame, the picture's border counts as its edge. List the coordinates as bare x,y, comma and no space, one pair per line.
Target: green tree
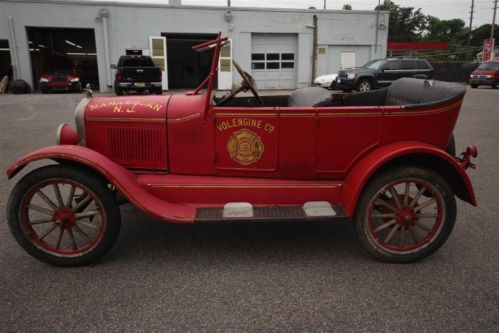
406,24
483,32
347,7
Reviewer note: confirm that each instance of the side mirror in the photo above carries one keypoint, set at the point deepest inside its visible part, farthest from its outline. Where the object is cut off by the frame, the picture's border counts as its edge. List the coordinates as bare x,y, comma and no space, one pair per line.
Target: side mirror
113,66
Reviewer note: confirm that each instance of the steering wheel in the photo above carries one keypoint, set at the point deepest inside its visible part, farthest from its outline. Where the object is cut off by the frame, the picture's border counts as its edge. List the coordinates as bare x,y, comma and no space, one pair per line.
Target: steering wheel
248,81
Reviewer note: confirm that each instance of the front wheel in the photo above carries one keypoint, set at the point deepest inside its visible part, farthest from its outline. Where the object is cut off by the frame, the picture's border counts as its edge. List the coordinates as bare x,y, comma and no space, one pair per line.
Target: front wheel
63,216
474,86
405,214
364,85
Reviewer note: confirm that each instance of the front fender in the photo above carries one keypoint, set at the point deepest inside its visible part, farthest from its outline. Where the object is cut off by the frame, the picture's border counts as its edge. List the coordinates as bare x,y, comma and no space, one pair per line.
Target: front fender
405,152
120,177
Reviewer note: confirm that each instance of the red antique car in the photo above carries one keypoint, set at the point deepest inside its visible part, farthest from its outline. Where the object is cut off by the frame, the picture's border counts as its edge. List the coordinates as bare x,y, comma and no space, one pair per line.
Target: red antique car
376,158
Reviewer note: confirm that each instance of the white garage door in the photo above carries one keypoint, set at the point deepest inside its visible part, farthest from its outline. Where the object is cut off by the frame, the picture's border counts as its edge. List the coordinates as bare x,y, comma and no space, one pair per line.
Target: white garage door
274,60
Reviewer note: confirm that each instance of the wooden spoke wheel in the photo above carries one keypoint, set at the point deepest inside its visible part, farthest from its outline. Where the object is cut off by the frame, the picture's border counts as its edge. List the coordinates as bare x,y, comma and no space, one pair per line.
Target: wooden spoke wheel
63,216
405,214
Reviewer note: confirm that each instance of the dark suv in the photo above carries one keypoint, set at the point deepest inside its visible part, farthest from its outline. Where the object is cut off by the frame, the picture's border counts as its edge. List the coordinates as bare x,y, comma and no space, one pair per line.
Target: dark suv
381,73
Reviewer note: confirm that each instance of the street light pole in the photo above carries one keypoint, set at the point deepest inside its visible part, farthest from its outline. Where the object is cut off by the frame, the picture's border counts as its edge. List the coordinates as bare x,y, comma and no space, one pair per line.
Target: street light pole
492,28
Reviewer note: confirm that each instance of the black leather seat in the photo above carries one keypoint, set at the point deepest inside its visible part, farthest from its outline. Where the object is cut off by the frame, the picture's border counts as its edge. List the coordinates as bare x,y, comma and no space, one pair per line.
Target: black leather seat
311,96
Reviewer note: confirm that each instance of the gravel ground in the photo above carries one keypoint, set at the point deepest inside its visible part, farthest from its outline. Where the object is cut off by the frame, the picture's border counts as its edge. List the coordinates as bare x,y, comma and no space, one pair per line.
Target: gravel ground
254,277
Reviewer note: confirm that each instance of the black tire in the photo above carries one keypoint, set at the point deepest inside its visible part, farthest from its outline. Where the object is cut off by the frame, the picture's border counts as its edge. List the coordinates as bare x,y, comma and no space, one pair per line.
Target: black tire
403,237
495,85
117,89
158,92
474,86
78,88
364,85
60,218
451,147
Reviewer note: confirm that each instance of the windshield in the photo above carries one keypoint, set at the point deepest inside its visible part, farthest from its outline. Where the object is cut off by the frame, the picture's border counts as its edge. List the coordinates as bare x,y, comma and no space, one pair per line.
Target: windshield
374,64
489,66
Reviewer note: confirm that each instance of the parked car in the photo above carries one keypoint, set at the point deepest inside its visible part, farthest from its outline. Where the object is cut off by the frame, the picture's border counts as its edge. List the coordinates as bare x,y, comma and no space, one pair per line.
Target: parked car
486,74
60,74
137,73
327,81
376,158
381,73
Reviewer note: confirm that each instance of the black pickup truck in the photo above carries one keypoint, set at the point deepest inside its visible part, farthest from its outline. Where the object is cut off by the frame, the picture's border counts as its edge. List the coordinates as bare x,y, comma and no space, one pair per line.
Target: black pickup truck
137,72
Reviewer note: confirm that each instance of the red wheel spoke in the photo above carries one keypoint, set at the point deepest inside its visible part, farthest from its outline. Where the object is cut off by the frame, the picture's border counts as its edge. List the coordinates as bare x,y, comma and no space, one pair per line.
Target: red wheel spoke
90,225
48,231
416,198
70,196
81,232
406,193
386,205
385,225
40,221
58,195
61,233
392,232
413,236
90,213
425,204
383,215
41,209
72,237
426,216
395,196
82,203
422,226
46,199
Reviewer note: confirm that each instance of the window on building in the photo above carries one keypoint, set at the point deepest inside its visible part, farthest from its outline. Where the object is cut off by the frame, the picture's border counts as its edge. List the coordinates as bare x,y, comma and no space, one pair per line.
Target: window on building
272,61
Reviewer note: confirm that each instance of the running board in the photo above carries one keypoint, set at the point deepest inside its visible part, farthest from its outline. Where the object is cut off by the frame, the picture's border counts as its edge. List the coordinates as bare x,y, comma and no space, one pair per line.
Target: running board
239,212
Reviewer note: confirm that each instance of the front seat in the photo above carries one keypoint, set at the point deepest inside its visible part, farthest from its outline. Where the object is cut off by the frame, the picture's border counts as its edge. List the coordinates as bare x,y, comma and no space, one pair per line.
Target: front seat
311,96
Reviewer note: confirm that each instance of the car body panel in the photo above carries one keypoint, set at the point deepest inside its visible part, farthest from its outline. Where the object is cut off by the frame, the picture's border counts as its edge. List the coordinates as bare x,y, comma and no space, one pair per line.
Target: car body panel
374,161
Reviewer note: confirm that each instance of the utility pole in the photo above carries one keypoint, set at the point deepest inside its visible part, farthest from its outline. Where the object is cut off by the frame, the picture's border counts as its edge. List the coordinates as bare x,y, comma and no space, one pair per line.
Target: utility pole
493,20
492,29
471,21
324,4
228,3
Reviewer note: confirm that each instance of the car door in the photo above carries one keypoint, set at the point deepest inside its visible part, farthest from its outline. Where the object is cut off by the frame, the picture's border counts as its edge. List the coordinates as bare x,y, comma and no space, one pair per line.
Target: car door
389,73
277,142
246,141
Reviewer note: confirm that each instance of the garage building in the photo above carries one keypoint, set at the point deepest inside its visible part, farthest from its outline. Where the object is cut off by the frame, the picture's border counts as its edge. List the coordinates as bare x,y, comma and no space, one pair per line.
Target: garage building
275,45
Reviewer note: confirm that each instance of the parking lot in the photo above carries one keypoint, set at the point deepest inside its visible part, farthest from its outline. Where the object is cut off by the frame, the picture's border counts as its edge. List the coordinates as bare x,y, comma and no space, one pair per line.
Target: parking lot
254,277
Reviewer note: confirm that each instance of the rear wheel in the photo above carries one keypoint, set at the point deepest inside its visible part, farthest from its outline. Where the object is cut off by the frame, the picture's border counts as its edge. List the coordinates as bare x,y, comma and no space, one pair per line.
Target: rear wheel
364,85
474,86
117,89
63,216
396,222
158,92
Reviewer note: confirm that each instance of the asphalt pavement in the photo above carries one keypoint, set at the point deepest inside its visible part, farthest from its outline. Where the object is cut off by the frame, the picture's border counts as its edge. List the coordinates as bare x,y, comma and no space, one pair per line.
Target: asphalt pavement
254,277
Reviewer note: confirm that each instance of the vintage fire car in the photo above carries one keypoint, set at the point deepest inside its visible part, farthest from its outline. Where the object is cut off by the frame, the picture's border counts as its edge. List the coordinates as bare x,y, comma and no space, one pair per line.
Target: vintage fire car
376,158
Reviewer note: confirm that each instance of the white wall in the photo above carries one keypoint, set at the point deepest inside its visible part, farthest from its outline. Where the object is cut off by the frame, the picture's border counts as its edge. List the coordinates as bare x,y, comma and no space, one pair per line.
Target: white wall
130,25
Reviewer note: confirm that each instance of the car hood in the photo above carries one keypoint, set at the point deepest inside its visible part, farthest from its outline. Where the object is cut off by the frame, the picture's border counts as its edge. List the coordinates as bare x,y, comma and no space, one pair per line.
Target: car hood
484,72
356,70
326,78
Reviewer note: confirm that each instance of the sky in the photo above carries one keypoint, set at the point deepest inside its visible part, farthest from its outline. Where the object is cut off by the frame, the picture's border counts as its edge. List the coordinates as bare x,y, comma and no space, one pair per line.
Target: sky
443,9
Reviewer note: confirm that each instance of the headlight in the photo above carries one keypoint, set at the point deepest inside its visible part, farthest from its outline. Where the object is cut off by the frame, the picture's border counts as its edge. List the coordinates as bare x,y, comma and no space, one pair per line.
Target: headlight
488,76
351,76
66,135
75,79
42,79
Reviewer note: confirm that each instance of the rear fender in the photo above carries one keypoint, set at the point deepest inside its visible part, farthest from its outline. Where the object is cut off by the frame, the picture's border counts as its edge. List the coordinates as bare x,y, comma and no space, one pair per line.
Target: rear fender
406,152
124,180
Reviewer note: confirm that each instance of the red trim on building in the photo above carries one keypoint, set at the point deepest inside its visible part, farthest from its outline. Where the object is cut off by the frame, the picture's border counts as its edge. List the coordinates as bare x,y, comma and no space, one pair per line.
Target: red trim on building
417,46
